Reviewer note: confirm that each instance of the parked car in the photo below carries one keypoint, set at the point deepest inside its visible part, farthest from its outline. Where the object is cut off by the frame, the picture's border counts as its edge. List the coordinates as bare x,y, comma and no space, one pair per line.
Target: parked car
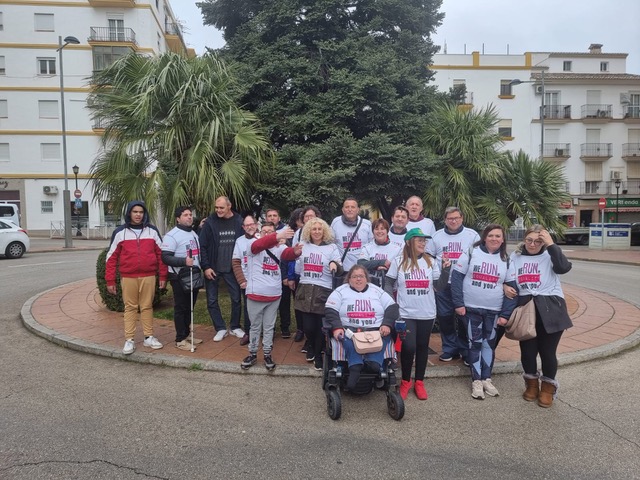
9,211
14,241
635,233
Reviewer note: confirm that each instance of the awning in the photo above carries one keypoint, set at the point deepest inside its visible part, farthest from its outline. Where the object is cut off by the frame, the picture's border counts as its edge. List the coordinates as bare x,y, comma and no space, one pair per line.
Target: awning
564,212
622,209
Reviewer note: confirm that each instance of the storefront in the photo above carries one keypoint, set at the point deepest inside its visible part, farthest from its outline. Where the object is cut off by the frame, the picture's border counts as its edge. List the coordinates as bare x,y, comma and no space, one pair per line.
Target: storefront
627,210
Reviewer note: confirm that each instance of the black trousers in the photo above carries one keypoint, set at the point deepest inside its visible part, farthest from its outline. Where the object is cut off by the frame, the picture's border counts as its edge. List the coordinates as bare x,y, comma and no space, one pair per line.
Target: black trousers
545,344
416,344
182,309
312,324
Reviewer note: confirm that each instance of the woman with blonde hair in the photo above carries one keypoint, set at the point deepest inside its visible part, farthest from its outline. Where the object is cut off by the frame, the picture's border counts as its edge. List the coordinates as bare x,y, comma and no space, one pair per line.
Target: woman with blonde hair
413,273
320,258
538,262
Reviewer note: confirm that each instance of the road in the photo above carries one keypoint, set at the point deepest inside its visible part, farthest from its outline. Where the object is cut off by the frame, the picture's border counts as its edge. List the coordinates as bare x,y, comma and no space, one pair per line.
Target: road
65,414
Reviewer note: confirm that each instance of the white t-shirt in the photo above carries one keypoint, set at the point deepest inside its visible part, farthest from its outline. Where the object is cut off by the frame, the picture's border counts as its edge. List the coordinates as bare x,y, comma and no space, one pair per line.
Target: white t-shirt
360,309
415,288
535,275
343,234
240,252
263,273
313,264
180,242
454,245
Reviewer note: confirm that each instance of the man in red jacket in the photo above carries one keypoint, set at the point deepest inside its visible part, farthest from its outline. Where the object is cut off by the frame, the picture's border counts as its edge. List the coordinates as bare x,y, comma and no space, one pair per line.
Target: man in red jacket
135,252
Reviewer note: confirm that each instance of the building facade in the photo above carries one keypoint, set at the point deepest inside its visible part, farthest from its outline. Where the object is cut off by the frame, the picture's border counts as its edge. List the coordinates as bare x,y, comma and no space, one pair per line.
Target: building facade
590,121
31,140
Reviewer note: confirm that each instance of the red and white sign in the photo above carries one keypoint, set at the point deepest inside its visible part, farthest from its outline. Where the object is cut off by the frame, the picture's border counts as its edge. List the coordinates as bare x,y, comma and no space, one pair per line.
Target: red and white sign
77,193
602,203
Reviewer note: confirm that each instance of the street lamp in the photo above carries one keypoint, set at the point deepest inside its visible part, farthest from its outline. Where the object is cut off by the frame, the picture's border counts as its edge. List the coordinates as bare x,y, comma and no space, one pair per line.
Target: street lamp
76,169
518,82
617,185
66,197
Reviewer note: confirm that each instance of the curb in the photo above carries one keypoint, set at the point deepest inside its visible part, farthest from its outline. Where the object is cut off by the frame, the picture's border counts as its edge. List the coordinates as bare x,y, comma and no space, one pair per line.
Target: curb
83,346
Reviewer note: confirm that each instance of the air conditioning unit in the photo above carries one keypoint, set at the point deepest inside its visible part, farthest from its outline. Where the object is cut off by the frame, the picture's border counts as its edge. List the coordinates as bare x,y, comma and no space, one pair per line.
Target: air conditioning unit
539,89
50,190
616,175
559,152
602,113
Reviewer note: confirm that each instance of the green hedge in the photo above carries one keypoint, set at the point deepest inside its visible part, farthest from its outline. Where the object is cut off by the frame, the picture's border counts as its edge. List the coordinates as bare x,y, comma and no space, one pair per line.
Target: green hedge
114,302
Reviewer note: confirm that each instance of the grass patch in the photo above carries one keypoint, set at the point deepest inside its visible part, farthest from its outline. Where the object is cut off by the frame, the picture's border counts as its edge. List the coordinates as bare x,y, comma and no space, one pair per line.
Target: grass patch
195,367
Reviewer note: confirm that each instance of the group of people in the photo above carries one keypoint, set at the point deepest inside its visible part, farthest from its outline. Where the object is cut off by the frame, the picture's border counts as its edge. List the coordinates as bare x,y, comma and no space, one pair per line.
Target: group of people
400,279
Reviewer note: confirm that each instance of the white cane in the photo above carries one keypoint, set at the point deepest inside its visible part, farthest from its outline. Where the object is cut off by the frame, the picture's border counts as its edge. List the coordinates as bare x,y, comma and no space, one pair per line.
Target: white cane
191,304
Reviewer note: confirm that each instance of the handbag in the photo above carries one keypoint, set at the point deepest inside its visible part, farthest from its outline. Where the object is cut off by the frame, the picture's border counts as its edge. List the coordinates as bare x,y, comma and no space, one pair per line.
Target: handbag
522,322
337,280
191,278
367,342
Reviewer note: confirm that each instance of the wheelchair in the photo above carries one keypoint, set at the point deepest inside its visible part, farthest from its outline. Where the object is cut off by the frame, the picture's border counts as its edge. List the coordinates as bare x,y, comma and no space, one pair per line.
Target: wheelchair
335,373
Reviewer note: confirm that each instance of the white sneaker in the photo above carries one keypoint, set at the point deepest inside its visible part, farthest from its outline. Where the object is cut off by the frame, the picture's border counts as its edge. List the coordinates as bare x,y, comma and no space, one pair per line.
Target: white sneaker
152,342
129,347
237,332
489,388
477,390
220,335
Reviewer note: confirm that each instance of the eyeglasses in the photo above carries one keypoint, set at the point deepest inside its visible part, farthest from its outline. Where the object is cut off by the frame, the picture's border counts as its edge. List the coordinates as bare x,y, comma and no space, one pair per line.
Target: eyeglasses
531,241
358,277
454,219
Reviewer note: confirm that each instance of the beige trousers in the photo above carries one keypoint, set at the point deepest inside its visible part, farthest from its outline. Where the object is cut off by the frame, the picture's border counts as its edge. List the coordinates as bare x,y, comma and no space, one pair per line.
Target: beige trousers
137,294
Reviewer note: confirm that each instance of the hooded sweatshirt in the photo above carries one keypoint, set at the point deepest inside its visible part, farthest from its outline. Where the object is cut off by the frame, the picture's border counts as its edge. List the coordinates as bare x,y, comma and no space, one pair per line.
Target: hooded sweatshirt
135,249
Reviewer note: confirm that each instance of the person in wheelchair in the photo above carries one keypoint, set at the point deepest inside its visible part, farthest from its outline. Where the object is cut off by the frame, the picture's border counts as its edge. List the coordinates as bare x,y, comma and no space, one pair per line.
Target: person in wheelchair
359,306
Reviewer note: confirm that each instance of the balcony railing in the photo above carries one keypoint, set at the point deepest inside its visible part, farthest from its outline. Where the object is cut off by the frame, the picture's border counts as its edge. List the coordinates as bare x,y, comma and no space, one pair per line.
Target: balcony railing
558,150
108,34
628,187
631,111
557,112
596,110
596,150
631,149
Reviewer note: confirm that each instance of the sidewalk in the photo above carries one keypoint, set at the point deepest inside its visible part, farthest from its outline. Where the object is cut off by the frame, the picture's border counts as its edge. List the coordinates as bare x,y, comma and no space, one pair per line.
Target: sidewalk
73,316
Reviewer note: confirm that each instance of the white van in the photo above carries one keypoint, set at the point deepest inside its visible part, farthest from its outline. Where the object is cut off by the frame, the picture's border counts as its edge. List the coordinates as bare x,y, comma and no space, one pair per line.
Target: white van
9,211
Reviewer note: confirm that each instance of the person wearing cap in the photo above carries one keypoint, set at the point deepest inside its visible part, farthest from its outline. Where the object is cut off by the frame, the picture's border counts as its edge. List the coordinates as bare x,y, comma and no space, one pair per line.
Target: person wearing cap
450,242
413,274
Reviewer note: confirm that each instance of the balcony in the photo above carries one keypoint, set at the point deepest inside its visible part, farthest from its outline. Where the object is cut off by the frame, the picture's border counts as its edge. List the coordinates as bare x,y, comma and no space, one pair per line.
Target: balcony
598,189
113,3
596,113
112,35
556,152
173,36
631,113
557,113
595,152
631,152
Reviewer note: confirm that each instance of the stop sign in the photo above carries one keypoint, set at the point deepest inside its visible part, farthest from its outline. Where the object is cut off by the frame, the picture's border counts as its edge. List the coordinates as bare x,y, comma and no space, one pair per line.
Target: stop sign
602,203
77,193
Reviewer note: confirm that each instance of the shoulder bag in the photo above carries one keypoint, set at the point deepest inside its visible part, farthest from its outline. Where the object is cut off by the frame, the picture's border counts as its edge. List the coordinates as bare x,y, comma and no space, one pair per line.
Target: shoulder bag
522,322
367,342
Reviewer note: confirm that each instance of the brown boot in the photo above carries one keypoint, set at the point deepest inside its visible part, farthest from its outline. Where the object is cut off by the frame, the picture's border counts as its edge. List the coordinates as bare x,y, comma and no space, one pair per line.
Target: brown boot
533,387
548,389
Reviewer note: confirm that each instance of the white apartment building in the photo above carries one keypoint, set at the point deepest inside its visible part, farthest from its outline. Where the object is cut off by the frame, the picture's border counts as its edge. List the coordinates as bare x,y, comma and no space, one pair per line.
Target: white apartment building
31,153
590,126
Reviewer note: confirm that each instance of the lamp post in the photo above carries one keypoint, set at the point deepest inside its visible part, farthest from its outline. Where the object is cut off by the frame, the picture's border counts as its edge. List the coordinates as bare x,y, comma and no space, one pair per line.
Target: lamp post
518,82
66,197
76,169
617,185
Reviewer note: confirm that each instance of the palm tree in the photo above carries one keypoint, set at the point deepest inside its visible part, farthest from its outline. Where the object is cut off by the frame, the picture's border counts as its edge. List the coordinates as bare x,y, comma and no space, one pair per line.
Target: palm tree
532,189
466,144
174,134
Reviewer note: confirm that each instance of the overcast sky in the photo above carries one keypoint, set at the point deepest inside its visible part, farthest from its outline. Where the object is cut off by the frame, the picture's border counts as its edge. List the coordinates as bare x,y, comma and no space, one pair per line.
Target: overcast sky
535,26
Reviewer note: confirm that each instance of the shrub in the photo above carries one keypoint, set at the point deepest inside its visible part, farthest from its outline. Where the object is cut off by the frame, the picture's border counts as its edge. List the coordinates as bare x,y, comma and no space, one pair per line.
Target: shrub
114,302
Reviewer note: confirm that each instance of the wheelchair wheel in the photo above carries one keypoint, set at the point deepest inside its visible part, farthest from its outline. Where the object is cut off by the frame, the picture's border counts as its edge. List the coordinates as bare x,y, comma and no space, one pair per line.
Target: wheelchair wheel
334,404
395,405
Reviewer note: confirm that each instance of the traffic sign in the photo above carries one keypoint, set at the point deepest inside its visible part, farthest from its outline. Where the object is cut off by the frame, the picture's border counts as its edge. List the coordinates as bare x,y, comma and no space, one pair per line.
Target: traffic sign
77,193
602,203
78,204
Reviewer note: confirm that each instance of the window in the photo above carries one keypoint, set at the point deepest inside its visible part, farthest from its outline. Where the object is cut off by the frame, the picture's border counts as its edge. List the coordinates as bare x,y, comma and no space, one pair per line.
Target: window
566,66
4,152
46,66
505,87
116,30
48,108
2,70
504,129
604,66
46,206
4,109
50,152
43,22
105,56
1,22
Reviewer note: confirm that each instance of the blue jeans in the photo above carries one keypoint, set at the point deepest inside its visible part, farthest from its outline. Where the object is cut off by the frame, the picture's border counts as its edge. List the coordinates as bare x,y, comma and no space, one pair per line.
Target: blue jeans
212,300
355,358
481,328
